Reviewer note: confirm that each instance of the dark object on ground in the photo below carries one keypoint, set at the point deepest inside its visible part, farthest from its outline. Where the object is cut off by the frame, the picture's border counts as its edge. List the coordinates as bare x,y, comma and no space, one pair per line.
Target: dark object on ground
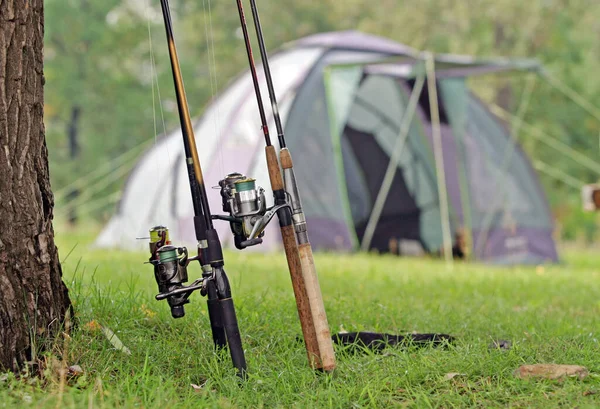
355,341
500,344
459,246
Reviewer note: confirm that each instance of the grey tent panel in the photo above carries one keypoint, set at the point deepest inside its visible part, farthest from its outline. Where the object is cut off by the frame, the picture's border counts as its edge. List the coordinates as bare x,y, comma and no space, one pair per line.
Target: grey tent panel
355,41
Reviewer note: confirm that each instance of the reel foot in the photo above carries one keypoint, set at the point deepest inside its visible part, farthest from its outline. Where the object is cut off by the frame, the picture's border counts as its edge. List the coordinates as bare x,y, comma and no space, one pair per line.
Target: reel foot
251,242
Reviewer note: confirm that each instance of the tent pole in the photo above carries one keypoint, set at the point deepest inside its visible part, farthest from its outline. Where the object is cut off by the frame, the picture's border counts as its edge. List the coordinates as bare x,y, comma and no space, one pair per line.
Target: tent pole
550,140
392,168
459,131
500,179
571,94
558,174
439,158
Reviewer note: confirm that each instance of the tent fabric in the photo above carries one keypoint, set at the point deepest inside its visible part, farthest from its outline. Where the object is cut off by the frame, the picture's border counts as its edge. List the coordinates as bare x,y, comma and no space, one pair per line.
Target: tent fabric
342,104
355,41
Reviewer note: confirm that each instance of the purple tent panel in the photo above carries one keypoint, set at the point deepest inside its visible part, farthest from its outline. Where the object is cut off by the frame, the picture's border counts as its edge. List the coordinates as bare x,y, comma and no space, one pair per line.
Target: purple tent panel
329,234
524,245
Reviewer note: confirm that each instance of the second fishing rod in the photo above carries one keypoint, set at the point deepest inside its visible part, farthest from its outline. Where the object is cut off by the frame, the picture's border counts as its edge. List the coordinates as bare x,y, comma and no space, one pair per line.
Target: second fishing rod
298,249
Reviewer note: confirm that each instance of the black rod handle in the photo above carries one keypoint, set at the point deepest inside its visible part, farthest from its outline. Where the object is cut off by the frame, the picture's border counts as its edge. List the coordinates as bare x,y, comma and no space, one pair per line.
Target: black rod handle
215,316
234,339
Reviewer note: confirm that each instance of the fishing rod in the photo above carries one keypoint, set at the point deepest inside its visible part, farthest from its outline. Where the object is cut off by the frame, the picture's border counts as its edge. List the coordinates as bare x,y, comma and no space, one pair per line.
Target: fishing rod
170,262
307,320
299,220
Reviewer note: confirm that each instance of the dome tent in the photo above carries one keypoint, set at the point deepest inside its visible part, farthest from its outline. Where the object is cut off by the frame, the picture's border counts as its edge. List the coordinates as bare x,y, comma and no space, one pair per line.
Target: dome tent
343,98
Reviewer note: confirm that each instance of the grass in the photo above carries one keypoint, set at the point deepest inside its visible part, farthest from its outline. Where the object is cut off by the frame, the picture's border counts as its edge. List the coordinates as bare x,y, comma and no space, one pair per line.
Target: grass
550,314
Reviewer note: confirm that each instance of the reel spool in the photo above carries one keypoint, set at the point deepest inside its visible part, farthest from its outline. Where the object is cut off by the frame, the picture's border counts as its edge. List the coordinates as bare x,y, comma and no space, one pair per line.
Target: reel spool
247,206
170,273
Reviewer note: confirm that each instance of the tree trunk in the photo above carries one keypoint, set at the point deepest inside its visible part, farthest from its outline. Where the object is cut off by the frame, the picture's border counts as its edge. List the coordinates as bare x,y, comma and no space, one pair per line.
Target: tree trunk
33,298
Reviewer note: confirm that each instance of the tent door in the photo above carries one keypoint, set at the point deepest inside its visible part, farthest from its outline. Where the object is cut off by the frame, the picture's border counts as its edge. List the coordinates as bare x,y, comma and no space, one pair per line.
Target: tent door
365,164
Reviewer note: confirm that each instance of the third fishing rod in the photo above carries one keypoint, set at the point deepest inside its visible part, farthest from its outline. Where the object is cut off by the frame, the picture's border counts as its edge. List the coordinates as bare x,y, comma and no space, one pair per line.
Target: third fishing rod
304,246
307,318
309,273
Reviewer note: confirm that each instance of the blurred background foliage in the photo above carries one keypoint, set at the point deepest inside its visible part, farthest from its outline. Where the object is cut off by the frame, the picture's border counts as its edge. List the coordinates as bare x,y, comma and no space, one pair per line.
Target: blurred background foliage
106,100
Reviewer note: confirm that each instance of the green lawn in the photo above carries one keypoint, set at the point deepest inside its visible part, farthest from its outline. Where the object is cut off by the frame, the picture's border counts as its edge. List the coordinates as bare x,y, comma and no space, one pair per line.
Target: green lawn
549,314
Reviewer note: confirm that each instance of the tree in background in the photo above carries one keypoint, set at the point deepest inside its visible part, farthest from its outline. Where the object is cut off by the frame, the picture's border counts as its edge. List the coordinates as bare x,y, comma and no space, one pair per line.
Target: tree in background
33,299
99,93
98,59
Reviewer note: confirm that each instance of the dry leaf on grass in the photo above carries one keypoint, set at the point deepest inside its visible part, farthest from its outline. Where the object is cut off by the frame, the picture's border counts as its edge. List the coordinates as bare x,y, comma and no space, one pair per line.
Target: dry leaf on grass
551,371
197,388
93,326
75,370
114,340
588,393
453,375
201,387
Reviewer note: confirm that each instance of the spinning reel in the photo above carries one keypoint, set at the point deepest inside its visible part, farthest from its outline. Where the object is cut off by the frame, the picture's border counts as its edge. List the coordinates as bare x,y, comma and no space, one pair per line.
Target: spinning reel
170,271
247,208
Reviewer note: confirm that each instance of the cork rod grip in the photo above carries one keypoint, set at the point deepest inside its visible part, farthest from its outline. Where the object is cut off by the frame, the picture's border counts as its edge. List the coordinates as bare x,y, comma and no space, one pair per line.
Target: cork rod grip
317,307
290,246
273,166
286,158
302,300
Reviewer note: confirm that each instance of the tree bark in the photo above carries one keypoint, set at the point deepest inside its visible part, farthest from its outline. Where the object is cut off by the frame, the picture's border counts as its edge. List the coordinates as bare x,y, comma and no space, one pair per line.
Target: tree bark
33,299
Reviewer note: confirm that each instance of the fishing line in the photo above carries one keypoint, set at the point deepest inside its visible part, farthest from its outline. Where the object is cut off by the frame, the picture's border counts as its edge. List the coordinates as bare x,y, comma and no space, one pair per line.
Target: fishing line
154,79
216,93
152,74
162,113
103,183
100,171
214,83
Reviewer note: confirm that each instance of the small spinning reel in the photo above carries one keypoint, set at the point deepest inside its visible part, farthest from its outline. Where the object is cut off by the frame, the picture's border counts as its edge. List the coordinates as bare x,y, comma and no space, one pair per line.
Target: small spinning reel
170,271
247,208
